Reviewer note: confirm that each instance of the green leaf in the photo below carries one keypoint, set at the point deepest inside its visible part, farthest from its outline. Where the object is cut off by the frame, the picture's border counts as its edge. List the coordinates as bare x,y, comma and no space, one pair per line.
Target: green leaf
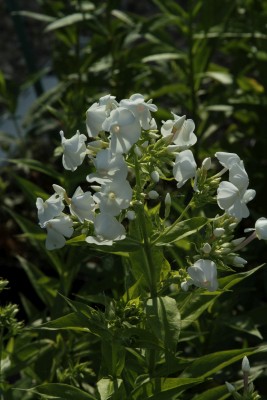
31,190
67,21
44,286
61,391
34,15
163,57
163,319
168,387
122,17
37,166
176,232
209,364
222,77
111,389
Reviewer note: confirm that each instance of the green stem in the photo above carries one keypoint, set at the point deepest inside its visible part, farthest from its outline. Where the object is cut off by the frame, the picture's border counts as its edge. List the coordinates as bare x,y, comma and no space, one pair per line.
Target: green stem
147,248
169,229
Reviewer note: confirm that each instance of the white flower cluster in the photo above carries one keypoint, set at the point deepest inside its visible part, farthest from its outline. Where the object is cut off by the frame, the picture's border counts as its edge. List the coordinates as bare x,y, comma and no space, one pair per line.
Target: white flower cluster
119,133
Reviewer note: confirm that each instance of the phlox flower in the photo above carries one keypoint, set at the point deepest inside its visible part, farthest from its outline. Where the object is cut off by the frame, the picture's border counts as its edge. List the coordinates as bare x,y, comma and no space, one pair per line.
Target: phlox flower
108,166
227,160
261,228
184,167
204,274
124,128
97,113
74,150
107,229
233,196
82,205
179,131
114,197
141,110
58,229
49,208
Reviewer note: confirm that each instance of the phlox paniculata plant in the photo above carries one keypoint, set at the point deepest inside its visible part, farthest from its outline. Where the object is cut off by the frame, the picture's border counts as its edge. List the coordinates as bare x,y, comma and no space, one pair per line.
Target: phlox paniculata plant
132,157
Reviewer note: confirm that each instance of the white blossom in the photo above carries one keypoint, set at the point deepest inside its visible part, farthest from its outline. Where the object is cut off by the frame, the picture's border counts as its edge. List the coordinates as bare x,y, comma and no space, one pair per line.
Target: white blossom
141,110
261,228
107,229
95,116
108,166
57,230
114,197
180,131
49,208
204,274
227,159
74,150
124,128
82,205
233,200
184,167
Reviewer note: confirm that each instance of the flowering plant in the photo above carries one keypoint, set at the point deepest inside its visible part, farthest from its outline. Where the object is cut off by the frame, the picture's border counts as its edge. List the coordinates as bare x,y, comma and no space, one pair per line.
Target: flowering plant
139,175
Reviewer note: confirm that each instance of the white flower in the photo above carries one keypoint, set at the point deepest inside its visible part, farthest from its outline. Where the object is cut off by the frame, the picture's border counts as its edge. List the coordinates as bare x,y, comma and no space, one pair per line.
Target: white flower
109,102
227,159
204,274
124,129
74,150
114,197
108,166
107,229
95,116
141,110
233,200
261,228
180,131
184,167
49,209
238,176
57,229
82,205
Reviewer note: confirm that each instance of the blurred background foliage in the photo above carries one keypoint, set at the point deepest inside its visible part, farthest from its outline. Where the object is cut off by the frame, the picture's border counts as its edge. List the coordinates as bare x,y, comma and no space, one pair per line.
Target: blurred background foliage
203,58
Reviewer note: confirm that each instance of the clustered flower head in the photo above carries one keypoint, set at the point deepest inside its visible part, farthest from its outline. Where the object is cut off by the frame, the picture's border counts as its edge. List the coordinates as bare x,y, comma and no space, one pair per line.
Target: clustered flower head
128,156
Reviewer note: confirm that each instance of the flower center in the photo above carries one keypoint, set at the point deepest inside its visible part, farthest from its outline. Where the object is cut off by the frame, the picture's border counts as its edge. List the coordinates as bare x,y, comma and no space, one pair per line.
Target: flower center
116,128
112,196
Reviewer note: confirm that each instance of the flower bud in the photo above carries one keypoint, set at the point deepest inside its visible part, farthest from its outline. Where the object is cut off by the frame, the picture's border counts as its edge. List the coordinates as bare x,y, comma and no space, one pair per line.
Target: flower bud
155,176
239,261
168,199
261,228
137,151
230,387
245,365
130,215
218,232
206,248
153,194
236,242
206,163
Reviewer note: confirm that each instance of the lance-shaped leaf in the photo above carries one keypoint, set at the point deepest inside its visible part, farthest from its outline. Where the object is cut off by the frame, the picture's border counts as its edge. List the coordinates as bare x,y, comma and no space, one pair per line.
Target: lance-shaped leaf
61,391
178,231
